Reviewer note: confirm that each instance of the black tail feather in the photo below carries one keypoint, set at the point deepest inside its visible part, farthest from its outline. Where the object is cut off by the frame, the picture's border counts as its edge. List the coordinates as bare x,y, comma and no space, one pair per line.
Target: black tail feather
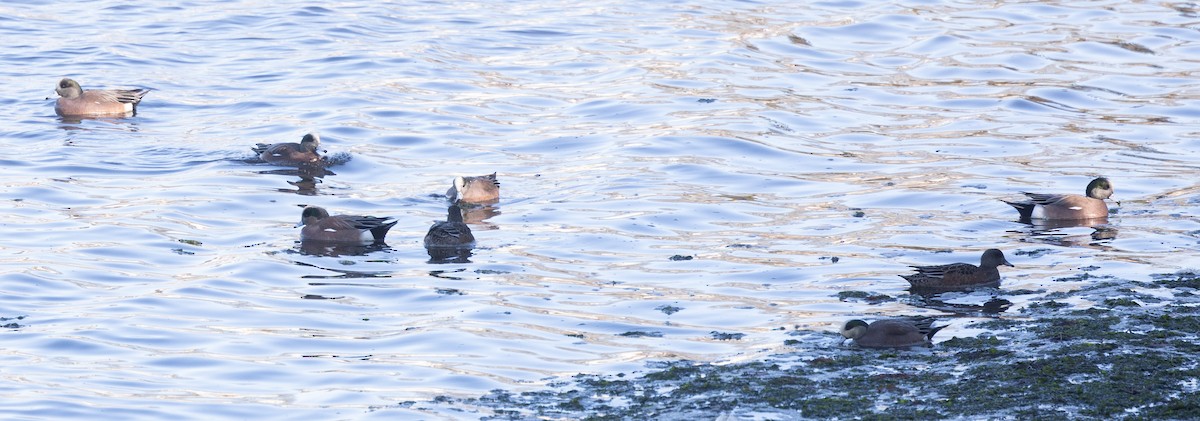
381,231
1025,208
934,330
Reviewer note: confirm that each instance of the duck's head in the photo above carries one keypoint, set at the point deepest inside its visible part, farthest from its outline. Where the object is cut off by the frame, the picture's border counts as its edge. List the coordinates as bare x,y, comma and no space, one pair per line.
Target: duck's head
854,329
312,214
993,258
68,88
1100,188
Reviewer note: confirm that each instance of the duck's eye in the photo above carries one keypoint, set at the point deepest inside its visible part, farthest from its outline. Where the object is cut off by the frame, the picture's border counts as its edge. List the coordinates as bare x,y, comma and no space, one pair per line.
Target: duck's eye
63,84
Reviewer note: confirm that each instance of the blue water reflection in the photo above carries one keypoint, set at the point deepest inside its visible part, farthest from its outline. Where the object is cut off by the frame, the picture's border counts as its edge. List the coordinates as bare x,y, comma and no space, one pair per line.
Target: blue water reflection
790,150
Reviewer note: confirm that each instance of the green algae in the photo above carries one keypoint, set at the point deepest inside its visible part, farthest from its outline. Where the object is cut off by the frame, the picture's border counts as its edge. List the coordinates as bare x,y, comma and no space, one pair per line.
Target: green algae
668,310
864,296
640,334
1119,302
1121,359
726,336
1179,280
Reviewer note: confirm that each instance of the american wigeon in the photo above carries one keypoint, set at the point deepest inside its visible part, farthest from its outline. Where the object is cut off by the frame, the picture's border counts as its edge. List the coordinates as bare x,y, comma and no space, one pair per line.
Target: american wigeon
291,153
1067,206
481,189
74,101
956,276
318,225
451,233
891,333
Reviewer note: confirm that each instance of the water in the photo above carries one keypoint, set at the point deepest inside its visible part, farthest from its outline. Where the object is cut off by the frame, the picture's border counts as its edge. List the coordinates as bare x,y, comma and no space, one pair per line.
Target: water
153,272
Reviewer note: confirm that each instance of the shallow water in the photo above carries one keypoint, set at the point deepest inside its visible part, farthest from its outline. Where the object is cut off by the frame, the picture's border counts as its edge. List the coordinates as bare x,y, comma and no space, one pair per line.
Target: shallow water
156,270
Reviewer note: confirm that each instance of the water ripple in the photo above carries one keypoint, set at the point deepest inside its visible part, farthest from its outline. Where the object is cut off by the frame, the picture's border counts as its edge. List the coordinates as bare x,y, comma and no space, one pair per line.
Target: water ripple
669,172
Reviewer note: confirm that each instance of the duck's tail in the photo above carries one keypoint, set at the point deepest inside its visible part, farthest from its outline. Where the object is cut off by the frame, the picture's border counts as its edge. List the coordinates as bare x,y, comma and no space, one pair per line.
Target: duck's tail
925,326
381,231
1025,208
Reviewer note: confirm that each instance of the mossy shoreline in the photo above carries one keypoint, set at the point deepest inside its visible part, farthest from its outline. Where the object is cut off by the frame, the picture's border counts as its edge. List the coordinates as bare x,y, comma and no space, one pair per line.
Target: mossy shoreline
1135,354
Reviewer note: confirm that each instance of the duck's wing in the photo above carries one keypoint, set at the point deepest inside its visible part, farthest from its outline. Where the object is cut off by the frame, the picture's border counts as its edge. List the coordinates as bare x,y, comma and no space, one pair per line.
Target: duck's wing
944,276
449,233
280,150
130,96
364,222
1047,199
944,271
127,96
896,327
924,325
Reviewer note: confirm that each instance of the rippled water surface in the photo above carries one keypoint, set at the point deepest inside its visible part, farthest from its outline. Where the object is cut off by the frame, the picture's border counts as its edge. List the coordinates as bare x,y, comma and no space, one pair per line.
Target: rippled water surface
791,150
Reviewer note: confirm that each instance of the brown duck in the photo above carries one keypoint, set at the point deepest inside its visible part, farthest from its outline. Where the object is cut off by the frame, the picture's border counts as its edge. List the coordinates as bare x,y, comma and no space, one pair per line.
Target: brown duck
291,153
318,225
958,276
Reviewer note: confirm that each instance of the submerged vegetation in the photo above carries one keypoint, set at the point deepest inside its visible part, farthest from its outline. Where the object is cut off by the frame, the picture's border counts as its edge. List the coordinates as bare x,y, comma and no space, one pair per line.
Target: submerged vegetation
1133,354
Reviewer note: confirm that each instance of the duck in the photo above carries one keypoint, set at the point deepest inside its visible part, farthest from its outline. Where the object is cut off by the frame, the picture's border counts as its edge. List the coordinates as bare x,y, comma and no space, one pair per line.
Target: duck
451,233
481,189
318,225
891,333
1067,206
291,153
959,276
73,101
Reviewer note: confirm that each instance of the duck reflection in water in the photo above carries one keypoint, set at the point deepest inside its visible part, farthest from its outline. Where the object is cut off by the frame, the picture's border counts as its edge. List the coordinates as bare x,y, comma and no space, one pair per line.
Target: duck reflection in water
1063,236
327,249
450,241
479,214
305,186
1043,225
936,301
310,177
302,171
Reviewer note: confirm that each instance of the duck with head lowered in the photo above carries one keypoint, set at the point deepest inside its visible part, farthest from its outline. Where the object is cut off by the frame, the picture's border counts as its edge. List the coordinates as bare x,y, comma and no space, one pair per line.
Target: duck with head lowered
478,190
891,333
